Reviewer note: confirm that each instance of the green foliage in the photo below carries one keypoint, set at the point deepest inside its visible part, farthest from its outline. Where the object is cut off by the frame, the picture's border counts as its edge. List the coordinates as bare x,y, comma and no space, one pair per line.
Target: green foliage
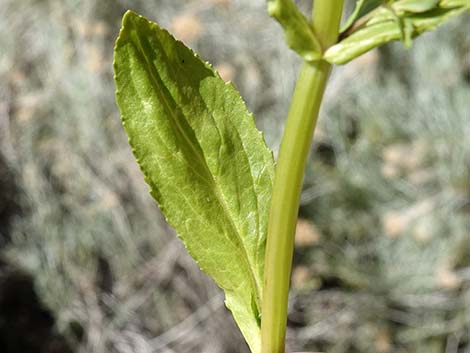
362,8
85,195
299,34
414,6
393,20
392,202
371,24
206,163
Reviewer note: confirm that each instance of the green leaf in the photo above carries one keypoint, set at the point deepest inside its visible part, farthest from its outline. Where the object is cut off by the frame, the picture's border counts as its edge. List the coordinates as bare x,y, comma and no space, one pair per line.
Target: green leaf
207,165
415,6
386,26
362,8
362,41
453,3
298,32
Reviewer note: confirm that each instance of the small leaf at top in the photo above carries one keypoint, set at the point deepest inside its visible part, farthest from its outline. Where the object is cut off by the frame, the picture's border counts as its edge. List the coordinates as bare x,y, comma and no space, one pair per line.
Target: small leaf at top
207,165
453,3
414,6
386,26
362,8
298,32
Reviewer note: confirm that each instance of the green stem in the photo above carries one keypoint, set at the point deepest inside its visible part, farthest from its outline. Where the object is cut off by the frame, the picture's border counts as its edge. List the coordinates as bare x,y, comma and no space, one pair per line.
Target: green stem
290,168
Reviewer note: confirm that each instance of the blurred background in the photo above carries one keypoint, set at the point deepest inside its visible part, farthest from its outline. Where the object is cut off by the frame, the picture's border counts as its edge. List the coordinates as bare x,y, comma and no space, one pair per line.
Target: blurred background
87,263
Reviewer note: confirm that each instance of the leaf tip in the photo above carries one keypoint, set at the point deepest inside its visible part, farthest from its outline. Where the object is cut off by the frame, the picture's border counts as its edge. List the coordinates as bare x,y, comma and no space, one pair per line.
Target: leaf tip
129,16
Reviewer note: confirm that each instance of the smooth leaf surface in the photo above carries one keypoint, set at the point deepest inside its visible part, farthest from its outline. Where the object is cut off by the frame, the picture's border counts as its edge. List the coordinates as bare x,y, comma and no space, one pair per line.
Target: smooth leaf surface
415,6
298,32
207,165
386,25
362,8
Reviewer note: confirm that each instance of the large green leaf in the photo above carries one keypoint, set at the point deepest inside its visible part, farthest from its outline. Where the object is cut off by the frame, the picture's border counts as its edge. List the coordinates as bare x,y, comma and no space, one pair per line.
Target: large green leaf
207,165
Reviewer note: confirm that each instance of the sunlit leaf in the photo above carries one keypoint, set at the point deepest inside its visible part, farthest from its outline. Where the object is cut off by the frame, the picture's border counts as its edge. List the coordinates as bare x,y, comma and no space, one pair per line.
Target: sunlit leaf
207,165
414,6
362,8
386,25
298,32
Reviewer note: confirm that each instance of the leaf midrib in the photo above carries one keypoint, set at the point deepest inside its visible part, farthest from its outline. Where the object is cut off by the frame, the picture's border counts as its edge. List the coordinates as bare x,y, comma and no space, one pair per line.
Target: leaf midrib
217,191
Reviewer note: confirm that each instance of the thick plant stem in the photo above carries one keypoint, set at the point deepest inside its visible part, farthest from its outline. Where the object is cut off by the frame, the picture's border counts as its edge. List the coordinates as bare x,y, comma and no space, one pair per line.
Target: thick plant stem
293,154
285,202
